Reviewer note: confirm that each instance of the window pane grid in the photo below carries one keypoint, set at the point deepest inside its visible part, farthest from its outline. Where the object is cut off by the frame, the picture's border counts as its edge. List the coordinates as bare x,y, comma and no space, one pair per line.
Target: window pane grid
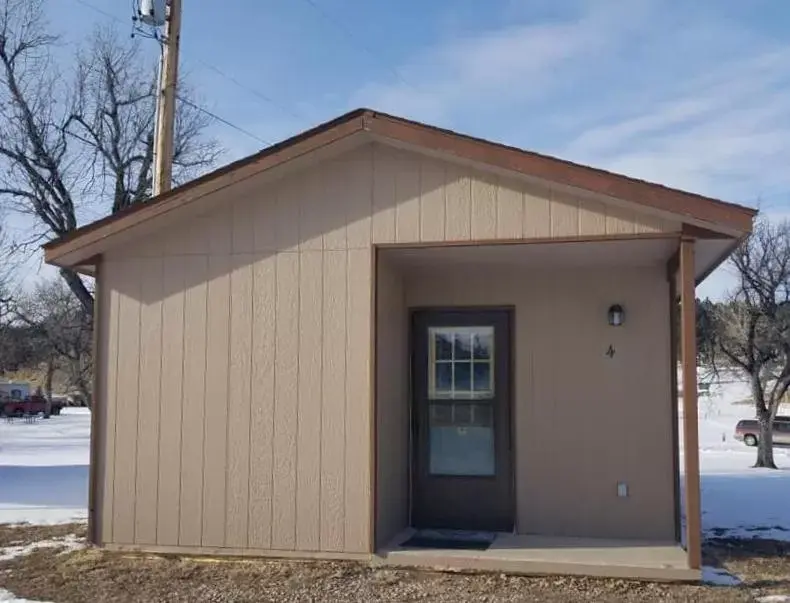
461,363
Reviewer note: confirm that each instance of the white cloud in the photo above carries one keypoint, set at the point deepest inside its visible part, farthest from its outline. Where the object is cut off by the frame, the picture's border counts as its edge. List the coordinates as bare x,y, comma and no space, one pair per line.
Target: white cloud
506,66
726,134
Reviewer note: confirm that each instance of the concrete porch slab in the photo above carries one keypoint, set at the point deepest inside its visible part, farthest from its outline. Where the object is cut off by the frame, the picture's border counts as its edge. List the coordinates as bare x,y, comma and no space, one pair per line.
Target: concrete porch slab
542,555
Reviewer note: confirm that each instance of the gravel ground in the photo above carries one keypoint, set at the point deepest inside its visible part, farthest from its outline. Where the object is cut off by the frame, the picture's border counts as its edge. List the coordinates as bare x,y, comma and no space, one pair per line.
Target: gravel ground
94,575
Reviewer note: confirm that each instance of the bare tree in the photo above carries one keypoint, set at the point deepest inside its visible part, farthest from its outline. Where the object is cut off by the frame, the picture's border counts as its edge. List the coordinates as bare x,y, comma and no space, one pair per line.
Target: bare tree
5,278
753,325
69,146
63,331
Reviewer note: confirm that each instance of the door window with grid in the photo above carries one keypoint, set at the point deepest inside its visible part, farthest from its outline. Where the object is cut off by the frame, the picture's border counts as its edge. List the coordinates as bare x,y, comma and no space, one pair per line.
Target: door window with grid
460,391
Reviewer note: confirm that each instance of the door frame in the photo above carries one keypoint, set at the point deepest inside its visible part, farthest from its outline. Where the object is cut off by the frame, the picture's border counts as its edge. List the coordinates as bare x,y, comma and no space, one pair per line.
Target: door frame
510,310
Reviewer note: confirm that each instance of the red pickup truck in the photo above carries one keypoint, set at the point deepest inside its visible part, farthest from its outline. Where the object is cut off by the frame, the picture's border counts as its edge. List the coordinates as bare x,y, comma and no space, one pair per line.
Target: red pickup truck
32,405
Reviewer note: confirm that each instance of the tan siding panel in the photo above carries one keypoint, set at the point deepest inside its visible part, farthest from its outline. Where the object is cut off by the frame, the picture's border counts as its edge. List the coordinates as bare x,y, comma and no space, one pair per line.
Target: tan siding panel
392,404
357,483
619,221
314,210
484,207
262,401
458,217
407,197
188,238
286,217
219,230
171,402
127,400
359,203
151,275
335,189
510,211
592,218
537,211
308,470
432,206
194,398
286,401
243,226
215,424
110,309
383,195
239,394
265,220
333,393
564,215
98,473
647,223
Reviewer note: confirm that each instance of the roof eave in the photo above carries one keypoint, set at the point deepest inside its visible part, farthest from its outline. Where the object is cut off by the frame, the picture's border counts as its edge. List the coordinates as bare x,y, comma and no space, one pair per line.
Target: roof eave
76,247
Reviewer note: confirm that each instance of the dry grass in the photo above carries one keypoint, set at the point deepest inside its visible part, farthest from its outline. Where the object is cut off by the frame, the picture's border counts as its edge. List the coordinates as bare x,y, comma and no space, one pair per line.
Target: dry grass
94,575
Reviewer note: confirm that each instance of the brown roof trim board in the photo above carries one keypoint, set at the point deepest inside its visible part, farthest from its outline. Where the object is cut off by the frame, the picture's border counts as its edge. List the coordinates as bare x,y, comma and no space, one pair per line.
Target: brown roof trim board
713,211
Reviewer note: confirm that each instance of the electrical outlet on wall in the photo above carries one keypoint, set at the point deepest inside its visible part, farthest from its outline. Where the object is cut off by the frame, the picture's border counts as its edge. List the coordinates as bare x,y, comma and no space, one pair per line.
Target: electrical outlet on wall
622,489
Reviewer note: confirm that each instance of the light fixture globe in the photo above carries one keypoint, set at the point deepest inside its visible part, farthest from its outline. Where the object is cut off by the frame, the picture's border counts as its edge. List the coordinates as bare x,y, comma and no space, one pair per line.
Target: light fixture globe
616,315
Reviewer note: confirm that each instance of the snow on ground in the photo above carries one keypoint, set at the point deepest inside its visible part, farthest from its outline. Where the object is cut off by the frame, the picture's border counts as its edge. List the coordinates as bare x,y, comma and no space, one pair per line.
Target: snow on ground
738,500
44,469
719,577
67,544
7,597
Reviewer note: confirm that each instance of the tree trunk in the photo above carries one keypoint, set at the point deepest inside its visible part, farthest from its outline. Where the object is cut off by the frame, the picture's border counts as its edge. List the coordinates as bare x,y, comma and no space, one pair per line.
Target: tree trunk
48,387
765,445
79,289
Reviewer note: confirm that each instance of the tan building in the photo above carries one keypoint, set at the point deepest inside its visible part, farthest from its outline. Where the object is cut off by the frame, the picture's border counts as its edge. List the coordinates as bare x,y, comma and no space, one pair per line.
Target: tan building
378,331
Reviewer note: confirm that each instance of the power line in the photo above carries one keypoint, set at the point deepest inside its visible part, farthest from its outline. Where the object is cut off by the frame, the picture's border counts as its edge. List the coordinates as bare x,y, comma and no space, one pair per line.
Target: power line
249,89
213,68
224,121
101,10
354,40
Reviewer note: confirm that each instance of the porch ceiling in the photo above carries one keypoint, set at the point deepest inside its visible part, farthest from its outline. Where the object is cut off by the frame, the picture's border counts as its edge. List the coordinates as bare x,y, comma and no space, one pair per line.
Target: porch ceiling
564,254
545,255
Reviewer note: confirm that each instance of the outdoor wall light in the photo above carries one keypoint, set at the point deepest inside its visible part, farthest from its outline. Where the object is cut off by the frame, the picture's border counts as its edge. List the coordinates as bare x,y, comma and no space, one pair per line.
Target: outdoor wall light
616,315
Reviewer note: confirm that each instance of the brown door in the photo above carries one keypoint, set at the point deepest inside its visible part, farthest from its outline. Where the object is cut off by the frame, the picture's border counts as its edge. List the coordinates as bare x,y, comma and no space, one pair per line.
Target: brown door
462,473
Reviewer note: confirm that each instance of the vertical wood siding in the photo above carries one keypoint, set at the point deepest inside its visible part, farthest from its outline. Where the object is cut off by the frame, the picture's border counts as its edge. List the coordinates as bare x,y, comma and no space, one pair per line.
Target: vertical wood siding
238,346
393,403
570,396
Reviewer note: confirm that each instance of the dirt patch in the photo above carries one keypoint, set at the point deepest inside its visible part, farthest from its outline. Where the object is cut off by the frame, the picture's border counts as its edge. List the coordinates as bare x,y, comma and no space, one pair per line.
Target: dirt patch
763,564
11,535
95,575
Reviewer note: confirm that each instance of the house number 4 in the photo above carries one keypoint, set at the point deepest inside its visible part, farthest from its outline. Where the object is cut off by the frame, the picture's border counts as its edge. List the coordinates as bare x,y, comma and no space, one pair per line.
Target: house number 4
610,351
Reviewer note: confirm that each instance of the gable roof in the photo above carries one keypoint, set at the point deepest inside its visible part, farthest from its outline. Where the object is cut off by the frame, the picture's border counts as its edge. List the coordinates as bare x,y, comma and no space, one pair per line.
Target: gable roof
727,216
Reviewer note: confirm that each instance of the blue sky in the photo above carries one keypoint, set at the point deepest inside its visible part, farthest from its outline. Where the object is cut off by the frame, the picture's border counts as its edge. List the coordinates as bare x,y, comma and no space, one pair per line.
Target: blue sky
690,94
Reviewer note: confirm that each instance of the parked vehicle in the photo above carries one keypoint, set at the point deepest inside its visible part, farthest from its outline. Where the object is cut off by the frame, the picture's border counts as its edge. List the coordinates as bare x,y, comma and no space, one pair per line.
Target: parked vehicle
30,405
748,431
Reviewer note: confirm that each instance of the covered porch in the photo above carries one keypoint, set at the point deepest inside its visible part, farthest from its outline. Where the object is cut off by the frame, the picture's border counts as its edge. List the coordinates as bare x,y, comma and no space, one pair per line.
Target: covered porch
541,555
590,430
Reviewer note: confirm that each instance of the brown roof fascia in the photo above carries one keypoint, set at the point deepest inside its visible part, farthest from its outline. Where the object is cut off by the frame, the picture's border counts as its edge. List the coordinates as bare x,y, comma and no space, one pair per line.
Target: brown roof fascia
563,172
422,135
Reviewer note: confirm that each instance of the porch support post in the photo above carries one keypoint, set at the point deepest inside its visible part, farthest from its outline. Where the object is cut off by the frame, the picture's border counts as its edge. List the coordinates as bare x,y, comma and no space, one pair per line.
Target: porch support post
688,354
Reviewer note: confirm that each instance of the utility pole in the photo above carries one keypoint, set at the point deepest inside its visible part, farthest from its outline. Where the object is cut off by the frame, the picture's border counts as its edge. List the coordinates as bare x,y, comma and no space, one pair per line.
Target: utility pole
166,100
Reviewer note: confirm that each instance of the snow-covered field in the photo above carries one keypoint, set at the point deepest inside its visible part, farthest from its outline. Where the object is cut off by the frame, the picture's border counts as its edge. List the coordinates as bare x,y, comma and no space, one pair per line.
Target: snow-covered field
738,500
44,471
